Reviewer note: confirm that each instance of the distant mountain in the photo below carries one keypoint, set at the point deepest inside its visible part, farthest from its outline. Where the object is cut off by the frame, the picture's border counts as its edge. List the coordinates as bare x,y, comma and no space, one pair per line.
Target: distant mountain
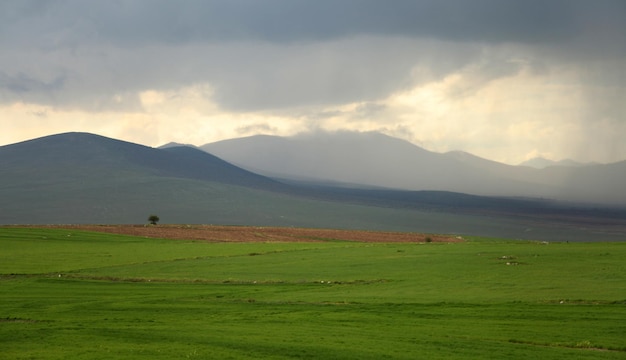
86,178
80,177
352,158
174,144
370,159
70,155
376,160
542,163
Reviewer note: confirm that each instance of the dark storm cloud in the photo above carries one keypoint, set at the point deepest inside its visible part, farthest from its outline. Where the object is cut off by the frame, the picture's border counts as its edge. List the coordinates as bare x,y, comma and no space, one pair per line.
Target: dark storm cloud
280,53
289,20
162,21
23,83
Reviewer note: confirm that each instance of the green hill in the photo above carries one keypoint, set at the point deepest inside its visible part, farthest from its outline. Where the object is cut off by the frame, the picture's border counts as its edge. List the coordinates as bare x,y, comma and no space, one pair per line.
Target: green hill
84,178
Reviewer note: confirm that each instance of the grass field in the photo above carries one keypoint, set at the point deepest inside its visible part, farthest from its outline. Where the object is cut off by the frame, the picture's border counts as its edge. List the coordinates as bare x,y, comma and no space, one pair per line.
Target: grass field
86,295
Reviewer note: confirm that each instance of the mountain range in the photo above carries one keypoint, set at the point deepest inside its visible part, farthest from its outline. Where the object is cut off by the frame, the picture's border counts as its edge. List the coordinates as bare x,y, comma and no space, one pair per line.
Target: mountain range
542,163
86,178
376,160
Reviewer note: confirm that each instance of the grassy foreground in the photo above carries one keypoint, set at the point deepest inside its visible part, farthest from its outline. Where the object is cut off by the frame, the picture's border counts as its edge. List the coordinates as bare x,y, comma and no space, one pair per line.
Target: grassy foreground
83,295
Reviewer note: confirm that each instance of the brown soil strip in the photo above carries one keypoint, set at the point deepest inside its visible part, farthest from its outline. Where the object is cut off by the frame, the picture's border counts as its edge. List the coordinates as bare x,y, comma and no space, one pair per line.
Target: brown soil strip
219,233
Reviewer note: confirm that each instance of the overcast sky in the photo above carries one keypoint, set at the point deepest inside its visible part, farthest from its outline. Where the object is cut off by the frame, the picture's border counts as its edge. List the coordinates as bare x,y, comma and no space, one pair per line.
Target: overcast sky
503,79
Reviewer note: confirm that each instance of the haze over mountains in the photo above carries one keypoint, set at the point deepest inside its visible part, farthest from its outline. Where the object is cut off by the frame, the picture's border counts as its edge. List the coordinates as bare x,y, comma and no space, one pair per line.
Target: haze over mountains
86,178
376,160
542,163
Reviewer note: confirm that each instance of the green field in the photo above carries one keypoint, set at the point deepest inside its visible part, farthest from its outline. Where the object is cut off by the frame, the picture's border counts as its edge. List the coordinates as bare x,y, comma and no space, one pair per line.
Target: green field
68,294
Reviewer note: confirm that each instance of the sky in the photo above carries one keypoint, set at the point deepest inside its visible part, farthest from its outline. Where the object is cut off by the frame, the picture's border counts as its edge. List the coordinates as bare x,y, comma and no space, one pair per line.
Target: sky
506,80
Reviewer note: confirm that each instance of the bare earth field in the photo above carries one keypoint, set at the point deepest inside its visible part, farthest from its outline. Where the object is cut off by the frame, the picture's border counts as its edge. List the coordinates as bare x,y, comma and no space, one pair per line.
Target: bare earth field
220,233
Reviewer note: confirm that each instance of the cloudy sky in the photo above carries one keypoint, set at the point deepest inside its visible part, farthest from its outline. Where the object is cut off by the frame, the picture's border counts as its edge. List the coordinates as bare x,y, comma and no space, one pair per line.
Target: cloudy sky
504,79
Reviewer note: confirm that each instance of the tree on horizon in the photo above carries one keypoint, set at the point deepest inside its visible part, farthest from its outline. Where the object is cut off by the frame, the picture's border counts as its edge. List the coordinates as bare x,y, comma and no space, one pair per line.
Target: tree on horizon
153,219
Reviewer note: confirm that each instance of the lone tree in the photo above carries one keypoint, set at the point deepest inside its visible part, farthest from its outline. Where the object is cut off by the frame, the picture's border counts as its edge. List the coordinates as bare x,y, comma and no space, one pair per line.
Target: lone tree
153,219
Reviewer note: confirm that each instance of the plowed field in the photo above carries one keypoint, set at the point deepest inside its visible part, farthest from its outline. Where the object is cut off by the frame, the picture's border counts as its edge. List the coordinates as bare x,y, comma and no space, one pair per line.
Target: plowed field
219,233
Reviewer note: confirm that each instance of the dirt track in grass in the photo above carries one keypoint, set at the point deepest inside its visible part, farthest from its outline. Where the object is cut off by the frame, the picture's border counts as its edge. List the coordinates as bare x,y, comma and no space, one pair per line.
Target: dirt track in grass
217,233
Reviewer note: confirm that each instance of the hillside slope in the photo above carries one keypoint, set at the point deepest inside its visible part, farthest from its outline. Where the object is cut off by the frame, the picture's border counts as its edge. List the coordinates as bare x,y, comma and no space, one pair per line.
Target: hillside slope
78,178
79,155
377,160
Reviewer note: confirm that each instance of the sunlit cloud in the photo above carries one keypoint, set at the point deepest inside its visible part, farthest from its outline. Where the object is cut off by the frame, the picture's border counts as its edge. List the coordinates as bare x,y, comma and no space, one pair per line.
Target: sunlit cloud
531,79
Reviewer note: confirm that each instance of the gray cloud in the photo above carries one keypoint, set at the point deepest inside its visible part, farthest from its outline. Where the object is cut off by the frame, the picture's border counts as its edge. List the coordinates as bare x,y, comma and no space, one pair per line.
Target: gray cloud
135,22
257,128
345,70
369,110
276,54
23,83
